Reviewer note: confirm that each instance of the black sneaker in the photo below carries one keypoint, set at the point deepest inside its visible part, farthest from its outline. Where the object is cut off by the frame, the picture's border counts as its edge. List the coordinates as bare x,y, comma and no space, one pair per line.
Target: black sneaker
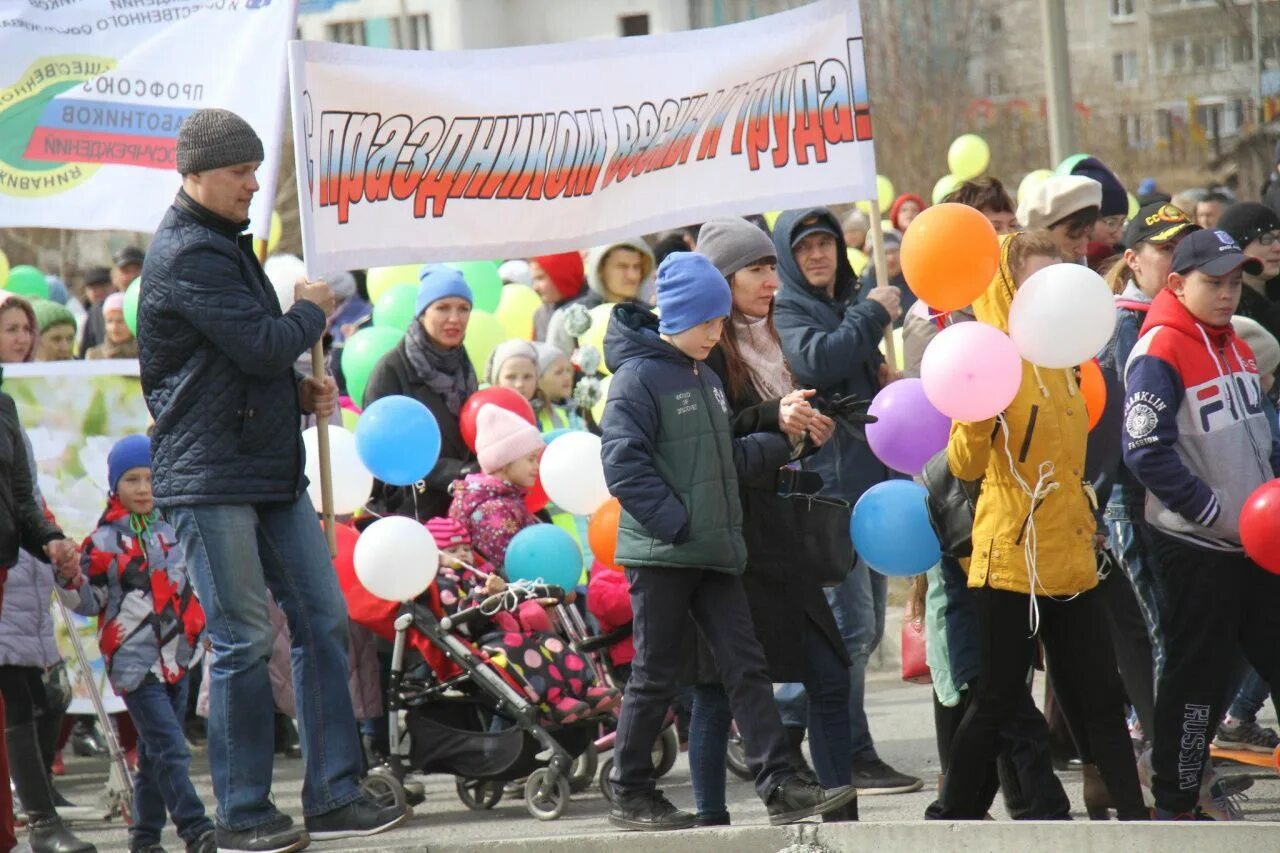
146,847
358,819
848,814
873,778
719,819
797,798
206,843
649,812
277,835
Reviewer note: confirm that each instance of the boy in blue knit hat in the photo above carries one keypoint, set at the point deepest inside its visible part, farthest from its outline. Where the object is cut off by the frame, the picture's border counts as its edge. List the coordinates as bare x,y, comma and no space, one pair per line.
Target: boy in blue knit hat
671,459
150,626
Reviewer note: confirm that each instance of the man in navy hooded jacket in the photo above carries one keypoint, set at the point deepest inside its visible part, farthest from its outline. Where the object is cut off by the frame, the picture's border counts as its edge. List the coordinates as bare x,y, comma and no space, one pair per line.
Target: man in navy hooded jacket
830,337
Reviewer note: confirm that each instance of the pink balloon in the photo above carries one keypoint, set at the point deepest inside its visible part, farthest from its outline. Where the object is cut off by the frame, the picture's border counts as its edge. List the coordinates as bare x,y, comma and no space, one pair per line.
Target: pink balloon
971,371
910,431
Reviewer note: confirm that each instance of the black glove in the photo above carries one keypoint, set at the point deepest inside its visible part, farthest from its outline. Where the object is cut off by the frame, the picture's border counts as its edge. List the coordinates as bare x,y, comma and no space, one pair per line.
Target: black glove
847,411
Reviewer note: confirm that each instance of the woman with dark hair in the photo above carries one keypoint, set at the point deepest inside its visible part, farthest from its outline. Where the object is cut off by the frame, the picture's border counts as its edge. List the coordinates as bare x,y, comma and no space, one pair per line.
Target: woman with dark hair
791,616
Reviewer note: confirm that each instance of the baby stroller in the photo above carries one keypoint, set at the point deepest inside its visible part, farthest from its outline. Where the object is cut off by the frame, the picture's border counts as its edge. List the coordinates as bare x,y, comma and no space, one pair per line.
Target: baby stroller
594,648
461,714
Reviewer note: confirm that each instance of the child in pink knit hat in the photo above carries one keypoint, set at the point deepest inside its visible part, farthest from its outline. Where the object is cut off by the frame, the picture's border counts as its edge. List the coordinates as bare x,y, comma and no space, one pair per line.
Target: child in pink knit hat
490,505
556,677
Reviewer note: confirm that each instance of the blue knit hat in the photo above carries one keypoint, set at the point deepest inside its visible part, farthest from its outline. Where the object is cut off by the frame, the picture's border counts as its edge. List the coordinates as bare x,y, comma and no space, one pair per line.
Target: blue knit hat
132,451
691,291
440,282
1115,201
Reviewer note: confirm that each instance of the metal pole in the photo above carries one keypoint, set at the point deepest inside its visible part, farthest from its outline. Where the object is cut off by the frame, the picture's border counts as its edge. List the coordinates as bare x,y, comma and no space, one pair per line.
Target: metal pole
1057,79
1259,106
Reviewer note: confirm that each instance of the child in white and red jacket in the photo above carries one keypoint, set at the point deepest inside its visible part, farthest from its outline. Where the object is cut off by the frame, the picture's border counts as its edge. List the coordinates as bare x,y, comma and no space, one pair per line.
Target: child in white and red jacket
150,627
1198,439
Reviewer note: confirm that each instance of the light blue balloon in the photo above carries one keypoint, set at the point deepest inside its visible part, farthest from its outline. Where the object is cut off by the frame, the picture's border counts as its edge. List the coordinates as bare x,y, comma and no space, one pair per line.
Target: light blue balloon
544,552
891,530
398,440
549,437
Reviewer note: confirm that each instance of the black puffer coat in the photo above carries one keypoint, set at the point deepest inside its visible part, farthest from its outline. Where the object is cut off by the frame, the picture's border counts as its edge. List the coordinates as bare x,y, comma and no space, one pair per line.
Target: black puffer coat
22,524
217,360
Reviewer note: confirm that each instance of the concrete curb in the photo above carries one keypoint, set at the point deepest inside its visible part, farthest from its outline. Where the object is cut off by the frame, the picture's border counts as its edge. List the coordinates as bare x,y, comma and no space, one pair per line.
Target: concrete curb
896,837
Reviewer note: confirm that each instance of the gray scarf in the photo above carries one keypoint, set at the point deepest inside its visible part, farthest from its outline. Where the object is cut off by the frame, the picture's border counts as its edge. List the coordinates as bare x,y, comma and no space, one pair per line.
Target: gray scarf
446,372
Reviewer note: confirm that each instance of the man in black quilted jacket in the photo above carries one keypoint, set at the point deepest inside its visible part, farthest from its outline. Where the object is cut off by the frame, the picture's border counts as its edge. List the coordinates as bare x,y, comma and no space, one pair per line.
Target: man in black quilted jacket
217,360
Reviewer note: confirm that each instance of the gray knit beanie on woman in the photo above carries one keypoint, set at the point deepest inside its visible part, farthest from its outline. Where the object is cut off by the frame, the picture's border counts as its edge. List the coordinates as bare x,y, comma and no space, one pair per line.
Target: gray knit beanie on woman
213,138
732,243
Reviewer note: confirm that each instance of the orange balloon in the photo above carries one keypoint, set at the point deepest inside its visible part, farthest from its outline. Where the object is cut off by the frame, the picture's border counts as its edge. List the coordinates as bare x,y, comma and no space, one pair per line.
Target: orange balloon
1094,389
950,253
602,533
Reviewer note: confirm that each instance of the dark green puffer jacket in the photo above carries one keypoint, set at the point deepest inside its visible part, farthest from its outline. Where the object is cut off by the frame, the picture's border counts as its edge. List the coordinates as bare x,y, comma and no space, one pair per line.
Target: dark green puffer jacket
670,456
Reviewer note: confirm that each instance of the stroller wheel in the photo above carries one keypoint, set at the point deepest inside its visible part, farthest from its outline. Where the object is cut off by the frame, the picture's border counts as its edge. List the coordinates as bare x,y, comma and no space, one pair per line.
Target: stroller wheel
606,787
477,795
735,757
381,786
543,800
583,771
665,751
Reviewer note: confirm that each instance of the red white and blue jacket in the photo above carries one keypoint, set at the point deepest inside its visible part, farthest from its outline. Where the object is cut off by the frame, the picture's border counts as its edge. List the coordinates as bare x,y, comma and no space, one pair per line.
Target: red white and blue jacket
1196,431
135,582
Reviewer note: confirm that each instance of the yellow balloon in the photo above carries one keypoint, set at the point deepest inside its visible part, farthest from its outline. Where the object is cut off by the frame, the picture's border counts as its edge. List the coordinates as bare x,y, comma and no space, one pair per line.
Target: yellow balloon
484,333
1134,207
276,232
771,217
4,268
858,259
885,192
382,279
969,156
515,310
944,187
349,420
1031,181
594,336
897,348
597,411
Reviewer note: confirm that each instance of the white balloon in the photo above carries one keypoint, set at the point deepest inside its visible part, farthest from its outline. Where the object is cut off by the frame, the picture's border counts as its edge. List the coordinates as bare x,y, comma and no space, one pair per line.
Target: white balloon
573,475
283,271
352,482
396,558
1062,316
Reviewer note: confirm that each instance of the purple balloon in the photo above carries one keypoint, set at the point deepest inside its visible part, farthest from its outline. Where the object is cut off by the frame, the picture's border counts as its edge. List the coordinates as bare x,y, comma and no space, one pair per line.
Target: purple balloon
910,430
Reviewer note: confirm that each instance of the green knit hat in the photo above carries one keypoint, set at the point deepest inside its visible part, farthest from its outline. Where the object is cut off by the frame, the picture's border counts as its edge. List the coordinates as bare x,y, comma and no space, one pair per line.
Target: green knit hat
50,313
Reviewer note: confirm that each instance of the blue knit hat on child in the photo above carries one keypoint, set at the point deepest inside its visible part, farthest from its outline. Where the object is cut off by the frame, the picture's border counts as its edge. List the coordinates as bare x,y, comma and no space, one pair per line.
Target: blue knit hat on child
691,291
133,451
438,282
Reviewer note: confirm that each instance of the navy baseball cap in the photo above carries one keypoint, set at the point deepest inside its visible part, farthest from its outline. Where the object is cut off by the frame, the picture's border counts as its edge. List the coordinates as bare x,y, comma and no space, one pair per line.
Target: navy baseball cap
1212,252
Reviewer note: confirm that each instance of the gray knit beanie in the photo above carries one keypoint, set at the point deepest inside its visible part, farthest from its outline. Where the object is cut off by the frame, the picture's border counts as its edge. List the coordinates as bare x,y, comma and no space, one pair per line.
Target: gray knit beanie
732,243
213,139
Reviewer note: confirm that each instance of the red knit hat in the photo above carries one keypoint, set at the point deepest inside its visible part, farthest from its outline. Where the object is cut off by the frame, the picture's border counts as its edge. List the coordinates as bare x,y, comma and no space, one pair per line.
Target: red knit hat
448,532
897,206
565,271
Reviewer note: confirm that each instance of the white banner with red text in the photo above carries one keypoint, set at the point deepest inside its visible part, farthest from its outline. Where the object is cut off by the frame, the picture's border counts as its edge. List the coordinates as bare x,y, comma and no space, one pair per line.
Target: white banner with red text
416,156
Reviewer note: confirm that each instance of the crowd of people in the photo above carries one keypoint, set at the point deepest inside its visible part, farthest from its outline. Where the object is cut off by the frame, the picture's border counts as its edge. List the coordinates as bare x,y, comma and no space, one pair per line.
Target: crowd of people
740,357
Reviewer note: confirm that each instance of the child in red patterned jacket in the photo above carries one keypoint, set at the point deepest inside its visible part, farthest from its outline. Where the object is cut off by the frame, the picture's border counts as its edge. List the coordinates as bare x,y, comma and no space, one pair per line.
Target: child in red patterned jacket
134,580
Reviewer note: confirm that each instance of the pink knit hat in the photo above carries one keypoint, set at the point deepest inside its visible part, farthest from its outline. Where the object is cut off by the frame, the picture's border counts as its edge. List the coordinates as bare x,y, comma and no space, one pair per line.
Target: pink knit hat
502,437
448,532
114,302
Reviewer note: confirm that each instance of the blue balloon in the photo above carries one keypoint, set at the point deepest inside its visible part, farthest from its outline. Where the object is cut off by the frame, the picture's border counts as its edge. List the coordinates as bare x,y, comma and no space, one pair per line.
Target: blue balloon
891,530
544,552
398,440
549,437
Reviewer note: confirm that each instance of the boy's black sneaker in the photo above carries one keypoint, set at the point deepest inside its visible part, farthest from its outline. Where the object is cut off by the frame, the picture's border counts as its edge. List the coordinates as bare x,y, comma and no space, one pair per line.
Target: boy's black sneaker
798,798
721,819
206,843
277,835
648,812
357,819
875,777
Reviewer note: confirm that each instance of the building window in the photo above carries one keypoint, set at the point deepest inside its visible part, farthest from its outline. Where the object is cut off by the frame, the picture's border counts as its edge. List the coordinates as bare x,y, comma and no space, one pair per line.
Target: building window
1124,67
993,84
1210,53
346,32
1175,56
1220,119
1241,49
1122,9
1135,132
633,25
411,32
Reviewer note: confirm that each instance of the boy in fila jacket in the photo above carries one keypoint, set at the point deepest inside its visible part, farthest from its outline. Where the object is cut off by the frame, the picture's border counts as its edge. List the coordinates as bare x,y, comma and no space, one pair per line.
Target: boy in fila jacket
1198,440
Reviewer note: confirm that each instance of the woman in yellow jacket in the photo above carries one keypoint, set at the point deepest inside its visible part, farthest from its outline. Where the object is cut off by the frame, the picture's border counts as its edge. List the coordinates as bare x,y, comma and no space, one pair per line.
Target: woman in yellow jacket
1034,569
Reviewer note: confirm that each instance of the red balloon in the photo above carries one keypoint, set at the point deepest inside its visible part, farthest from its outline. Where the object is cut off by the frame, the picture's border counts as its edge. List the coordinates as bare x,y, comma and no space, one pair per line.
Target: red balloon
536,498
505,398
1260,526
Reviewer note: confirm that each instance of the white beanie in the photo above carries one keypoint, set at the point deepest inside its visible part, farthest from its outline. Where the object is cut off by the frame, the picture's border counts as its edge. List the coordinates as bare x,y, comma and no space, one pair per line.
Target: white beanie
1056,198
514,348
548,355
502,437
1266,349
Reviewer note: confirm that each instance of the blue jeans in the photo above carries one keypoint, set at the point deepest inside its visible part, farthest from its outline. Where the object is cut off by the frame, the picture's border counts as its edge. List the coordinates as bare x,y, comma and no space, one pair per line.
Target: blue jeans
235,553
858,603
1130,542
162,782
708,741
1252,696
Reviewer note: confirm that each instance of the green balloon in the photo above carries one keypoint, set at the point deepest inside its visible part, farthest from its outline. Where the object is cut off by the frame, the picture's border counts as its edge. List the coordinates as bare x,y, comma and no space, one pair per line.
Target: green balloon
28,281
394,310
485,283
362,353
1065,167
131,294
